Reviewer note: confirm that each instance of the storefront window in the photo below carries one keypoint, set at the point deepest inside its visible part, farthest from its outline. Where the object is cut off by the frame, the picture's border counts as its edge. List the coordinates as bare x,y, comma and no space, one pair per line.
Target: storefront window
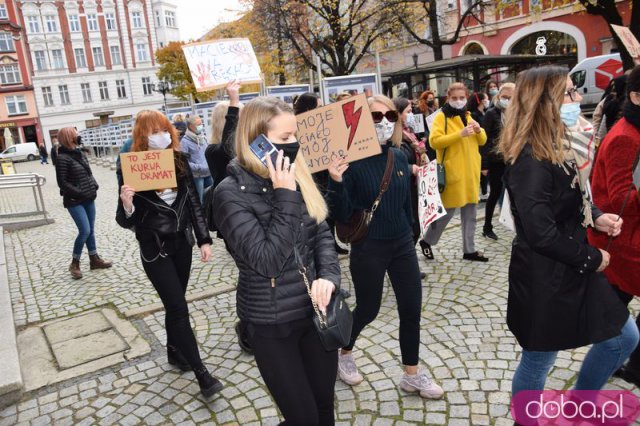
546,43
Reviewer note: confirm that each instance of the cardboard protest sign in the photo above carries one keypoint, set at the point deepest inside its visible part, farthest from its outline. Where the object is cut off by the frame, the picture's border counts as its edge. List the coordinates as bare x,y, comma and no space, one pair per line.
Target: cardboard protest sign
430,206
149,170
214,63
629,41
342,128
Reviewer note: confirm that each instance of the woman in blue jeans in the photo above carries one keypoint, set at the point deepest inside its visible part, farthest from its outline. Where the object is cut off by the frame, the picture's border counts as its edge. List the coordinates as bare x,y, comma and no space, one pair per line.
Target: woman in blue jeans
78,189
558,297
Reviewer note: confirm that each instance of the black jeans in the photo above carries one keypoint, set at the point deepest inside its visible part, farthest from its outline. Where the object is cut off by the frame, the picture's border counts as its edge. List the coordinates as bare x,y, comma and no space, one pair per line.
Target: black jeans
169,275
634,358
370,260
496,170
299,373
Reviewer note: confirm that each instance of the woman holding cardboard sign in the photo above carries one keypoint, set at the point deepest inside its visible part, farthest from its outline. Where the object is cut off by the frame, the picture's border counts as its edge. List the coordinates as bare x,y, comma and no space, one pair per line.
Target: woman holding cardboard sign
381,183
164,221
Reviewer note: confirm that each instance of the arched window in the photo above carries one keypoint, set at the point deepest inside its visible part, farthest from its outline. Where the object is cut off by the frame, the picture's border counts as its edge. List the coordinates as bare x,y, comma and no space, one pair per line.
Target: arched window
545,43
473,49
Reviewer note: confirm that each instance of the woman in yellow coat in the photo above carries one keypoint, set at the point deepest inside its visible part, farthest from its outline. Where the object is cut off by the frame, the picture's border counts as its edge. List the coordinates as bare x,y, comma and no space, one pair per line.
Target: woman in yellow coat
456,136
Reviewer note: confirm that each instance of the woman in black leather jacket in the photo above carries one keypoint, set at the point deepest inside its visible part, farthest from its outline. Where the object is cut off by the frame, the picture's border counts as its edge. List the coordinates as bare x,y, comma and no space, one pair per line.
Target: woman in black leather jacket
266,214
164,222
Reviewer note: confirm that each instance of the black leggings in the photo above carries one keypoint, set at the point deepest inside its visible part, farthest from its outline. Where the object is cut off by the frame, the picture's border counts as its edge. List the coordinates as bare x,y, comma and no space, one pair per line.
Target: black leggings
370,260
496,170
299,373
170,276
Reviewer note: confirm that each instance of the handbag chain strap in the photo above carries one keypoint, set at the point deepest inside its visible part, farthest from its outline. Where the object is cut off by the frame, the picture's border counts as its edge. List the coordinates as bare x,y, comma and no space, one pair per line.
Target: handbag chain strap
386,180
302,270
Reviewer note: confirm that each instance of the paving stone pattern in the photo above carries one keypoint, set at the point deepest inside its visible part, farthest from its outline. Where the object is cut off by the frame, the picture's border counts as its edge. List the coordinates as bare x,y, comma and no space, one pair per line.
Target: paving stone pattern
466,345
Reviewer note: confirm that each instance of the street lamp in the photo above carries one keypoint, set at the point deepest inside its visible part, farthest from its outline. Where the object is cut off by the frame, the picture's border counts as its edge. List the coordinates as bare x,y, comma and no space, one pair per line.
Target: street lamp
163,87
415,60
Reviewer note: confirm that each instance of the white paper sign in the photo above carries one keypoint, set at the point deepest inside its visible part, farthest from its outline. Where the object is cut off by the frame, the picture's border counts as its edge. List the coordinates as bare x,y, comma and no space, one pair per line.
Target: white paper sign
506,218
430,207
213,64
417,125
430,119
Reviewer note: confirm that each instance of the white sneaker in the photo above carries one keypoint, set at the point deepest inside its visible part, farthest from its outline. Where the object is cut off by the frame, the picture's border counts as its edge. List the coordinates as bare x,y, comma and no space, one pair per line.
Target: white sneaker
348,370
423,384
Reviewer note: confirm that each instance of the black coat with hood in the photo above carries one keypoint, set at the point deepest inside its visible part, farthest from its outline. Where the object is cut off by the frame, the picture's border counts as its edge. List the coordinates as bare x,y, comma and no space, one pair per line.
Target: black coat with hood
261,226
155,221
74,177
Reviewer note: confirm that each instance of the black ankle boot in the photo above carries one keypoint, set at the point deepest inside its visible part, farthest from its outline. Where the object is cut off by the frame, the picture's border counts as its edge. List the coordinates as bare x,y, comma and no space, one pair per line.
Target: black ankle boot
209,385
175,358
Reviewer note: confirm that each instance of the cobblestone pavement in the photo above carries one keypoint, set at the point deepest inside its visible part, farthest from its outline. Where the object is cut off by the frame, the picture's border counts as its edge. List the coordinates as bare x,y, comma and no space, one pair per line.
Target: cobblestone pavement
465,342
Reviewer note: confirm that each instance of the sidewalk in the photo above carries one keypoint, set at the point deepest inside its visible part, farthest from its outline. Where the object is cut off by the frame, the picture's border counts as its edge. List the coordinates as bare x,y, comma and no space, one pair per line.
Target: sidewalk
466,345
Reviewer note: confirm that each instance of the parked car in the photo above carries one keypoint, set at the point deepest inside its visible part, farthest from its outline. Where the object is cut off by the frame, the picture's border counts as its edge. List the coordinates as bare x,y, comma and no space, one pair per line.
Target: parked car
592,76
22,151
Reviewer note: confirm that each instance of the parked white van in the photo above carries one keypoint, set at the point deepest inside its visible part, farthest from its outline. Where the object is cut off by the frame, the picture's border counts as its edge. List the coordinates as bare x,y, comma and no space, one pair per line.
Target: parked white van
592,76
21,151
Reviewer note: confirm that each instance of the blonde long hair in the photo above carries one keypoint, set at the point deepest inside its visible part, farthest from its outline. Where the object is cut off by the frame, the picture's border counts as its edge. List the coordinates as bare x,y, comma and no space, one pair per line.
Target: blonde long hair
396,138
255,120
533,116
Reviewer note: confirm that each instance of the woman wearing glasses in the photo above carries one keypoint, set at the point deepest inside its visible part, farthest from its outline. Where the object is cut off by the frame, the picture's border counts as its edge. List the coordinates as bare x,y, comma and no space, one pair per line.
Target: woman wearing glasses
456,138
388,247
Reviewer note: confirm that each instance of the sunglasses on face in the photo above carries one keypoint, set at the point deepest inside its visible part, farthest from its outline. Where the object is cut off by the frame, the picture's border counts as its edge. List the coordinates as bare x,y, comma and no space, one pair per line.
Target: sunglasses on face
392,116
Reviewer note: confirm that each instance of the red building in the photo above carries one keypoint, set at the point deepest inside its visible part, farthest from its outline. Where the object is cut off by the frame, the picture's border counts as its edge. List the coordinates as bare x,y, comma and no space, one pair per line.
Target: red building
522,27
19,119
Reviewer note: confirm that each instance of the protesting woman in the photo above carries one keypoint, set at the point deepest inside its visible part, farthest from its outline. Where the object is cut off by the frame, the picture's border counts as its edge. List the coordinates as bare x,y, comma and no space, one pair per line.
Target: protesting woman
164,222
613,187
273,218
456,138
388,247
492,162
558,299
79,190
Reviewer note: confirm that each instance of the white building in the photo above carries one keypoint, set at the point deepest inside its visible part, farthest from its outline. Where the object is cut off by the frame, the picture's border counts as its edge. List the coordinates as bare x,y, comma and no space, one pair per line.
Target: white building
92,59
164,14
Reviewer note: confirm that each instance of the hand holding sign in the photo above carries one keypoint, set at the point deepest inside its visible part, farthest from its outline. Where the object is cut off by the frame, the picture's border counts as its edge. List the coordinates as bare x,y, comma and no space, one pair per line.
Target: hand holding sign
148,170
337,168
214,63
340,129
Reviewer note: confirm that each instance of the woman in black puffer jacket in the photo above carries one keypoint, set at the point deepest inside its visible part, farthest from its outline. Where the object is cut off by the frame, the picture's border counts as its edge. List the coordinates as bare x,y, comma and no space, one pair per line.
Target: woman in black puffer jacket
266,215
164,222
79,190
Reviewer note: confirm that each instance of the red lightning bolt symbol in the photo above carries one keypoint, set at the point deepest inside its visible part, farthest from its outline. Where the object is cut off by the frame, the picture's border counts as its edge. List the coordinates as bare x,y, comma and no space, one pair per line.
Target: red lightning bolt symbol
351,119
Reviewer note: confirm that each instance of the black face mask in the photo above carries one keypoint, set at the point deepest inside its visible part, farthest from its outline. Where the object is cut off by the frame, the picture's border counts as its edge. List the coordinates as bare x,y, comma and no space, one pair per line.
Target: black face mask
289,149
631,113
430,103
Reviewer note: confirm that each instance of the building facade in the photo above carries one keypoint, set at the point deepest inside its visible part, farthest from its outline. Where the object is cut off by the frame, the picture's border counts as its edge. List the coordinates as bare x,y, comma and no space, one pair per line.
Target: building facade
19,121
535,27
93,60
164,14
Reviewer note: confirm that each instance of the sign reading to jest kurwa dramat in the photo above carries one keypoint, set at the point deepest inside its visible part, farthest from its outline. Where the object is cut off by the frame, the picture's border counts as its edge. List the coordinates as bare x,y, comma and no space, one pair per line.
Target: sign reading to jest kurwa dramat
149,170
213,64
339,129
430,206
630,42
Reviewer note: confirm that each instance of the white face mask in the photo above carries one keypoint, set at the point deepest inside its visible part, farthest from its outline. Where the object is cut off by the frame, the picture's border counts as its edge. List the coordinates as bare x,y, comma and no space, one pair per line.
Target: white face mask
384,130
504,102
159,140
486,103
458,104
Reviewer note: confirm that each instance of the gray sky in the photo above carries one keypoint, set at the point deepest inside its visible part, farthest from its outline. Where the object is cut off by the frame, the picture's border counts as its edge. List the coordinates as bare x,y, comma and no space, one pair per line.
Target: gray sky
196,17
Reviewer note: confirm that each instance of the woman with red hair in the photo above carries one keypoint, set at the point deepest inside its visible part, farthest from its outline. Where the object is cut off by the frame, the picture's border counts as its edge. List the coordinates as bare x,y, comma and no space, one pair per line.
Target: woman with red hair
164,223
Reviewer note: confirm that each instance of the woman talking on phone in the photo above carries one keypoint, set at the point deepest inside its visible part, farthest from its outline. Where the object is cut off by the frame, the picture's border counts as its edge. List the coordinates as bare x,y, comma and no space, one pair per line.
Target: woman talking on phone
163,221
273,218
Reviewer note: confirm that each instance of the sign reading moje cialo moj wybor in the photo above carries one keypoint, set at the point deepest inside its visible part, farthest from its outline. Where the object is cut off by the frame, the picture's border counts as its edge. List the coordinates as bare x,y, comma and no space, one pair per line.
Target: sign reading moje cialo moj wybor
149,170
339,129
214,63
